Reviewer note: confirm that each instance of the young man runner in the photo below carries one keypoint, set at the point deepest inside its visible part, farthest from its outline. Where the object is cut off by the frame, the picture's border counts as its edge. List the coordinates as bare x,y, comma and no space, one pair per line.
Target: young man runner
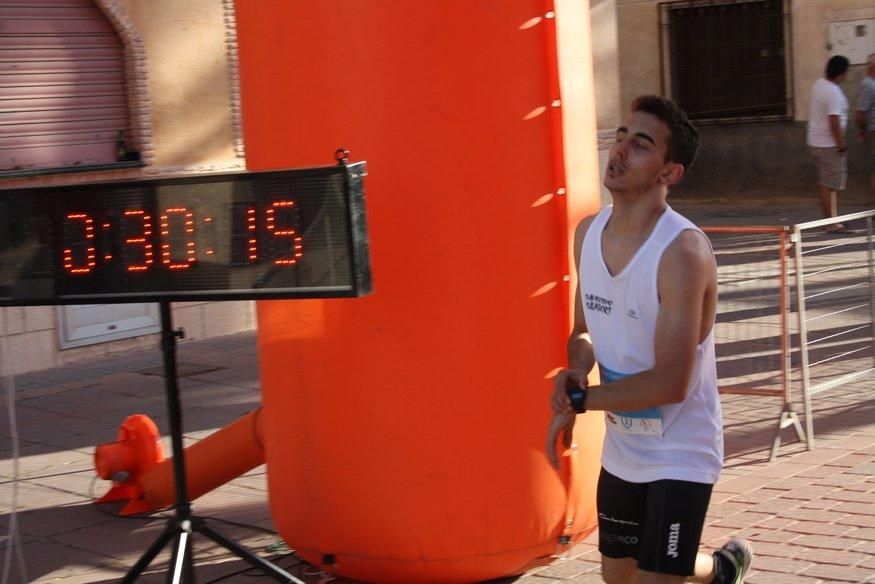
644,313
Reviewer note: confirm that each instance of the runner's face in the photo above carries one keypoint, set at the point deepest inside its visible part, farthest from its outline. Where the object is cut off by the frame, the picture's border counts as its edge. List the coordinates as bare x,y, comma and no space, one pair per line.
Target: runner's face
636,161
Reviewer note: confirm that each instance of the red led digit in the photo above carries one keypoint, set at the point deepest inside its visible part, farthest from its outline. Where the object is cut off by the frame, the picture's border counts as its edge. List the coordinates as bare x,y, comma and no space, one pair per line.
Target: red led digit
252,241
87,263
244,234
107,255
295,248
141,239
186,240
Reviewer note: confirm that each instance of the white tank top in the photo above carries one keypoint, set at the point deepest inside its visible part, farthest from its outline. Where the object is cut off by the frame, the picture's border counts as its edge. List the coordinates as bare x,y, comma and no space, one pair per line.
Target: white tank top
682,441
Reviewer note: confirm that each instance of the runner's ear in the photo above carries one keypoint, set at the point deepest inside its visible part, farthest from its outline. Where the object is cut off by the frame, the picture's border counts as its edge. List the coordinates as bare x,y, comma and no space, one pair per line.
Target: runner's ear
672,173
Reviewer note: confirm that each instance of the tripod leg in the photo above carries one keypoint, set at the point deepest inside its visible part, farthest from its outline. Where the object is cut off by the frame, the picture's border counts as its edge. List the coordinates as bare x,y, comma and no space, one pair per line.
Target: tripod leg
149,555
182,570
268,568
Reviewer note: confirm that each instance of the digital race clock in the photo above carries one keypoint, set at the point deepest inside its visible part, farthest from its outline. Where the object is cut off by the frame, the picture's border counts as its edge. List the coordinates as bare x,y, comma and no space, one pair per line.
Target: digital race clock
276,234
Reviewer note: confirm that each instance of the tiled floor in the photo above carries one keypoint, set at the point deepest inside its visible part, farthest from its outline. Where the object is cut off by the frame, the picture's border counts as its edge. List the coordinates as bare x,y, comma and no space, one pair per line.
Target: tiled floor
810,514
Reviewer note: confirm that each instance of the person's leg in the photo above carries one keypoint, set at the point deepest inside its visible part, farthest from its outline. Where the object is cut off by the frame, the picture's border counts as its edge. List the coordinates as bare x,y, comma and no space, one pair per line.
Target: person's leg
705,570
621,512
831,176
870,137
828,201
672,532
619,570
645,577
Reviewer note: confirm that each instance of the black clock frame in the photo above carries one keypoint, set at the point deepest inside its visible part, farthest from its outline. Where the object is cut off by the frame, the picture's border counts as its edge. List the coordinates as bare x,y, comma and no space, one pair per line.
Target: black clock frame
329,195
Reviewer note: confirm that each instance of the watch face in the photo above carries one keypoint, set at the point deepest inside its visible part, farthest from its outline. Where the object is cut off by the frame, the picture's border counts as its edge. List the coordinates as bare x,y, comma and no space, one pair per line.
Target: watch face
576,395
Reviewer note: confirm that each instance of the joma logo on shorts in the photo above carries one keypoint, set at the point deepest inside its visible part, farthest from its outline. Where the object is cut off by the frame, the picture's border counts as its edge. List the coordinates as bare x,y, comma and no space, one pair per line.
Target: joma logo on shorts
674,533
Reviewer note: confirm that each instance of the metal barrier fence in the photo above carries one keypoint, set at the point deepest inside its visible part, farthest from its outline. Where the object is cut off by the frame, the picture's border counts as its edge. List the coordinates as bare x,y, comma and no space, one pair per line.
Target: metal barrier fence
831,289
752,329
835,292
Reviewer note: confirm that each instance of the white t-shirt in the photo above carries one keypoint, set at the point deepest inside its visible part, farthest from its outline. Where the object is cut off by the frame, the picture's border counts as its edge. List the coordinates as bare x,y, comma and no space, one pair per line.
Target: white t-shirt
827,99
681,441
866,101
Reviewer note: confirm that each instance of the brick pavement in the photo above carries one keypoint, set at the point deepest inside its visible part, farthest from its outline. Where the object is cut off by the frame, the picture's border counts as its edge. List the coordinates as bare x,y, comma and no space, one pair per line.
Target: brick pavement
810,514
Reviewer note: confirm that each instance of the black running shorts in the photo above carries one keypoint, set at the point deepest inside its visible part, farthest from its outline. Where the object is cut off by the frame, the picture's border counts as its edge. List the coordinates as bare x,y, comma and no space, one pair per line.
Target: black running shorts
659,523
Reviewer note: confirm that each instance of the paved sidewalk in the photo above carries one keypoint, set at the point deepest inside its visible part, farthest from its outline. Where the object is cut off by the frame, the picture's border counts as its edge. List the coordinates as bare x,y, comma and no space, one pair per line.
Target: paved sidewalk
809,514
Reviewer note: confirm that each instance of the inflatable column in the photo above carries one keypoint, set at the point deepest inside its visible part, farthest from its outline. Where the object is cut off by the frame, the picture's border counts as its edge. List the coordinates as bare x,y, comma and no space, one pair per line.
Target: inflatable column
404,432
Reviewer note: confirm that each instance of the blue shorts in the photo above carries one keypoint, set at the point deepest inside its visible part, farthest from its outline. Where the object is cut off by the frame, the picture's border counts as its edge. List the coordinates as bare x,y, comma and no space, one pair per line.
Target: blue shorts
659,523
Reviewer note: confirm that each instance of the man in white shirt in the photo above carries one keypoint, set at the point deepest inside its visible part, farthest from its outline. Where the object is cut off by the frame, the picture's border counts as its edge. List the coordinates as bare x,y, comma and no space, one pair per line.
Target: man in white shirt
827,120
643,314
865,115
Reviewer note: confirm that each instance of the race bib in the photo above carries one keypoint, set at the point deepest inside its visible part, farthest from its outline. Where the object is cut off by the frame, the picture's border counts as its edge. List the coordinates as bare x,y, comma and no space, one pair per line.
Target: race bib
647,422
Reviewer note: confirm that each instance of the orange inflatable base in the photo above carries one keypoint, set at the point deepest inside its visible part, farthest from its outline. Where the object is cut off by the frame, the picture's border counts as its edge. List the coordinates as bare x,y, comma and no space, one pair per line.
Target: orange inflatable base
446,571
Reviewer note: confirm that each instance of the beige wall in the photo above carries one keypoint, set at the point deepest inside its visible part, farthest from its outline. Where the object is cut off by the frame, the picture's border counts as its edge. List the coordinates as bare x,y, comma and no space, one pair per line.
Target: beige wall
190,84
606,63
638,40
641,68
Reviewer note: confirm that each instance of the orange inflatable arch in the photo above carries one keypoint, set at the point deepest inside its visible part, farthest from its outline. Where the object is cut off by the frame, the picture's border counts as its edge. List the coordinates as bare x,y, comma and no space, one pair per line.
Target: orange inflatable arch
404,431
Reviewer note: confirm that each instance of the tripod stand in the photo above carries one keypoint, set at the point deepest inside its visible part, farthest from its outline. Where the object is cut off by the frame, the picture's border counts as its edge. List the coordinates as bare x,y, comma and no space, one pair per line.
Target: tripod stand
184,524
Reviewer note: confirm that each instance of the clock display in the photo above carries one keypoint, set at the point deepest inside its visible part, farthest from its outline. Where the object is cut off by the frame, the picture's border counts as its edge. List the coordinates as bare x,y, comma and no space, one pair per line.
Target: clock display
277,234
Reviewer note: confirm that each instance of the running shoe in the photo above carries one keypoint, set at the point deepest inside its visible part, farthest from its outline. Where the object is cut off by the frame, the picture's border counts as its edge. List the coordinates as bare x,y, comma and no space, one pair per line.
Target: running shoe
739,553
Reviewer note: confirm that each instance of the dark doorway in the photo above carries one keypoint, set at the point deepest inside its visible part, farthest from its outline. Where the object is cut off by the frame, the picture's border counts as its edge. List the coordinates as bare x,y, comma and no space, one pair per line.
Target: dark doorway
727,59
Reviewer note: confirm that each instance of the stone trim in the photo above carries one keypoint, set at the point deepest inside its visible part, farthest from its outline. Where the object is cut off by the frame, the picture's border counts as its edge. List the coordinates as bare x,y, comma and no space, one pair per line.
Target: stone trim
187,169
234,75
136,78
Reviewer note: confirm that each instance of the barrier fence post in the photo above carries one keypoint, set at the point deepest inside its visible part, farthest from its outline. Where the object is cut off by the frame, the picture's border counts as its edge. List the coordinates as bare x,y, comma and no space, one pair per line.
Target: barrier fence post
740,261
869,253
803,336
788,416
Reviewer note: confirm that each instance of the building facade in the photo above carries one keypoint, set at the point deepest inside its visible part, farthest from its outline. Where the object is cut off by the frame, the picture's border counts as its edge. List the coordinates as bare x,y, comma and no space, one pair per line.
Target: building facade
743,70
106,90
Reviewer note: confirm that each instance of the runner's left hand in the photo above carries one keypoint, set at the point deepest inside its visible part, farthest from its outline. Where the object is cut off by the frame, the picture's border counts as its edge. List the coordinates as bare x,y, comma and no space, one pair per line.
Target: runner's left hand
563,423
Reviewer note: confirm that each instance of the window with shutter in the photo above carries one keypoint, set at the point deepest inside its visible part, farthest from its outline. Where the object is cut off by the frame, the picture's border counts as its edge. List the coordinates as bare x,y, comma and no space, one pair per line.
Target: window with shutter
727,59
62,87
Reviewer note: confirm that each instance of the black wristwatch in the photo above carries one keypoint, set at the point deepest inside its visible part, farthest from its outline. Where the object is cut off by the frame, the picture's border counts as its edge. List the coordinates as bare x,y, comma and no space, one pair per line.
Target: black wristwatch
577,396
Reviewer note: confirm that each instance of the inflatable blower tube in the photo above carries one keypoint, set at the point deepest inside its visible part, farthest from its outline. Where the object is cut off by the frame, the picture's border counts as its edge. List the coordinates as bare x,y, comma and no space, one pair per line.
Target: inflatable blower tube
220,457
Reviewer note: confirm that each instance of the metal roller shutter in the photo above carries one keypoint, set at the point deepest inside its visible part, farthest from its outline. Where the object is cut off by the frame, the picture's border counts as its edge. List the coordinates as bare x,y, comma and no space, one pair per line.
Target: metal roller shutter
62,89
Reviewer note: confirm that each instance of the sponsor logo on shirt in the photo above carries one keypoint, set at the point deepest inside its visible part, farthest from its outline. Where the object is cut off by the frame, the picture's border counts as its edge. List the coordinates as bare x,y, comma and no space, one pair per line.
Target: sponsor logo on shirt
646,422
599,304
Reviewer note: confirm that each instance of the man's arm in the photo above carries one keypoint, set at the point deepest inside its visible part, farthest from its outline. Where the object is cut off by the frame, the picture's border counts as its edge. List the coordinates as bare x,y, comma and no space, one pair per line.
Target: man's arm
581,359
864,102
835,127
580,353
686,274
860,118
